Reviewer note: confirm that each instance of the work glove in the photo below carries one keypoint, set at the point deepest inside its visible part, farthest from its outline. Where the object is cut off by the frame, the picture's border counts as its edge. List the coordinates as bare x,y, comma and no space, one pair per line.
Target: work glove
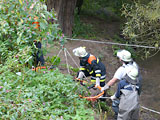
104,88
97,82
113,97
81,74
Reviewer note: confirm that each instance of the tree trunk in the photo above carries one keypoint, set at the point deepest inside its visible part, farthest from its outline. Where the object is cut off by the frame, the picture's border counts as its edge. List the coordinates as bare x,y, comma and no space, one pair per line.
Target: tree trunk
65,13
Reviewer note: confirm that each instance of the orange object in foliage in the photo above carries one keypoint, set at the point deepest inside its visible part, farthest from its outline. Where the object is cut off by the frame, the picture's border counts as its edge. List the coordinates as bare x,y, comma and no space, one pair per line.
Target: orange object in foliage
38,68
94,98
37,25
83,81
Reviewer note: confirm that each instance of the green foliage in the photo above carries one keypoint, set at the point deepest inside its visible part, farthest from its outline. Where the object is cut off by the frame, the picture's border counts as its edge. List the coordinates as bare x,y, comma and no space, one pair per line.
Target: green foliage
119,39
17,28
74,69
142,26
26,94
54,60
91,5
42,95
103,8
115,5
82,29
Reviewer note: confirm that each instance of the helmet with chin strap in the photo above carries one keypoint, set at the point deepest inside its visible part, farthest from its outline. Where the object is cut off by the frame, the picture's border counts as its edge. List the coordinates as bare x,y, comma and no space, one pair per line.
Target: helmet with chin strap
132,72
124,55
80,52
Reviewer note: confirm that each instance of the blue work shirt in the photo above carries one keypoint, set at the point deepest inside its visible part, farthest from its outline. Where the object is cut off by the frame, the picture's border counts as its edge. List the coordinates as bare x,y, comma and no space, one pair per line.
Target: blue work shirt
123,84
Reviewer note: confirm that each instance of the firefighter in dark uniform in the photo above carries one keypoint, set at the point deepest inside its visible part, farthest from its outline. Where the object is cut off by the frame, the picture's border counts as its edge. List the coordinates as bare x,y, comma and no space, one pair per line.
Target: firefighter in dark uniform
90,66
39,58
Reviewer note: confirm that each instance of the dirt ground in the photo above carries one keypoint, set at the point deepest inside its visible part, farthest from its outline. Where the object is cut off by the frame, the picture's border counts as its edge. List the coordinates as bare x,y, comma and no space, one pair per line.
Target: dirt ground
105,30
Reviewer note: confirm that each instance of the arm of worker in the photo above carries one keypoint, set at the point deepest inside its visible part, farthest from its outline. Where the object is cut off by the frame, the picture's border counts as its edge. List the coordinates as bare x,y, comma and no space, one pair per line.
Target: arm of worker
97,70
80,75
112,81
118,92
109,84
120,86
98,75
117,76
97,82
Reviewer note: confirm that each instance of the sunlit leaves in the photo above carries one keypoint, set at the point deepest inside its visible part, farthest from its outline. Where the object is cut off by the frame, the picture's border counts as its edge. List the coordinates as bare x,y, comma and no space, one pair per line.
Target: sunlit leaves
19,25
49,95
142,26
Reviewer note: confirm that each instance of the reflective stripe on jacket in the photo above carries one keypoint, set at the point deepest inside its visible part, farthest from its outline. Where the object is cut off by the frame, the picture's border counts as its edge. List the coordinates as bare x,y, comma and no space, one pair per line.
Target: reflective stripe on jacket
94,67
102,78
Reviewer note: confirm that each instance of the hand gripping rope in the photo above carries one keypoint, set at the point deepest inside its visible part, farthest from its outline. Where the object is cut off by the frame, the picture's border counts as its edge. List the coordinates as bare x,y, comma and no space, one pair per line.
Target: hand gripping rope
94,98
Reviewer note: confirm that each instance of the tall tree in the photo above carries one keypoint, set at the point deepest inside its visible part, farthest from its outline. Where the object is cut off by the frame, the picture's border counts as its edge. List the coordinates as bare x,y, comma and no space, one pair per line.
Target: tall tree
65,13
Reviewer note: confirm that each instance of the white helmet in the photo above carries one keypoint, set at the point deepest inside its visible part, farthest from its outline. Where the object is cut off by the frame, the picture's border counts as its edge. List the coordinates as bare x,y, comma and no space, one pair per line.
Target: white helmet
132,72
80,52
124,55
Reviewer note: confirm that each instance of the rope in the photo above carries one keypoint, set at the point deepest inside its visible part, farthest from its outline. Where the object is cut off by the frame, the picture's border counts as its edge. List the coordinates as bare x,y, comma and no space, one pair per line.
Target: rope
72,58
94,98
66,60
150,109
105,97
112,43
56,57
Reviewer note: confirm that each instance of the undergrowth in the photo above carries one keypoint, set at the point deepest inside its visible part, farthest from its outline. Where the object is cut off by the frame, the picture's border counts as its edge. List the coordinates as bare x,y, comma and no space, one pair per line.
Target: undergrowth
41,95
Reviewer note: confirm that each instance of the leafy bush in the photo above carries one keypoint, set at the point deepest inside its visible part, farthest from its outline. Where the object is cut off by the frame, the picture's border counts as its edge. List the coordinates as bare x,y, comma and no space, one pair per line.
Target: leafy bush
142,26
82,29
26,94
43,95
54,60
18,29
103,8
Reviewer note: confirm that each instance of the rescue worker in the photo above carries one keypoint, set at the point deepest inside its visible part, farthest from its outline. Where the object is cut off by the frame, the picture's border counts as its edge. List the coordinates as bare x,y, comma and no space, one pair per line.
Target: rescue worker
90,66
39,58
128,92
126,60
39,55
